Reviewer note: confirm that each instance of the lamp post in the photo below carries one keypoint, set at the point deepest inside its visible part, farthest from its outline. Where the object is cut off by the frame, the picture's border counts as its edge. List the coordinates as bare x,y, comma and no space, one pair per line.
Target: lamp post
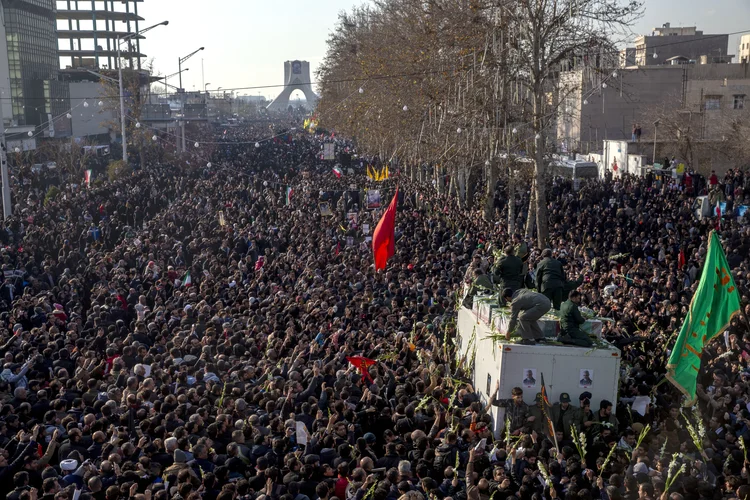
122,95
205,88
166,89
179,67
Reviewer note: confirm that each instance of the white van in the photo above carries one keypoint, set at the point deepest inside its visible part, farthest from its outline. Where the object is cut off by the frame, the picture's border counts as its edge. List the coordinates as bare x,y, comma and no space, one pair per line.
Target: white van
575,169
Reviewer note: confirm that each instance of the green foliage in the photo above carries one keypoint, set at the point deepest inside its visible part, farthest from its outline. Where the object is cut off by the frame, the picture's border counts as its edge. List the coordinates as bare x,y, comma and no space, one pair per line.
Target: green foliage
52,193
118,169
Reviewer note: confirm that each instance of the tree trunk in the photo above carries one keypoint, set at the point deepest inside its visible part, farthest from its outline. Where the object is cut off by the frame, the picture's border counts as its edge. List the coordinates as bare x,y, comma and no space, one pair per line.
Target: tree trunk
471,184
531,218
542,229
460,184
413,172
489,201
440,180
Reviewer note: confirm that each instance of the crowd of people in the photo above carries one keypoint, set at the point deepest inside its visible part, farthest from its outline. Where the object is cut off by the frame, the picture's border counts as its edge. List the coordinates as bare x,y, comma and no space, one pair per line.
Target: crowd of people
206,333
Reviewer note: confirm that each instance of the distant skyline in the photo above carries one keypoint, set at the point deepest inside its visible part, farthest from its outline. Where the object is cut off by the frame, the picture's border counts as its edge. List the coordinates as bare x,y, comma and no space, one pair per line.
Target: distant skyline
247,41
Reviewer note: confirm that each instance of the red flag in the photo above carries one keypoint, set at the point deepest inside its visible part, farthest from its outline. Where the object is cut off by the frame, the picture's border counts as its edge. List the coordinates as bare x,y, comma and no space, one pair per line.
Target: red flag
361,363
681,261
718,216
338,248
384,237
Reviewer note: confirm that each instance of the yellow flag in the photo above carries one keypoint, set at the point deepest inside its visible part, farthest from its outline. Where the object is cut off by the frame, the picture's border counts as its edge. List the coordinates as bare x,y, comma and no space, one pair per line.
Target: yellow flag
387,173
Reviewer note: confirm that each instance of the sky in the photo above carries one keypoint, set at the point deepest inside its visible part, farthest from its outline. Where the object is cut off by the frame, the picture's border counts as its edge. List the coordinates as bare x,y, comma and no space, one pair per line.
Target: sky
247,41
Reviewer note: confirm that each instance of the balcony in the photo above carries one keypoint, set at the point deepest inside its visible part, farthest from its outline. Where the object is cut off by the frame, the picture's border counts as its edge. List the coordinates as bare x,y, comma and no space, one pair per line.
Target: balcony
100,53
99,14
101,34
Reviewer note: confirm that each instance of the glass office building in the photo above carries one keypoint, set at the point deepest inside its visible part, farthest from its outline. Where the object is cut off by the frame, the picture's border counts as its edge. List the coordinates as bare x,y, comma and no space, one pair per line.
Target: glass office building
33,64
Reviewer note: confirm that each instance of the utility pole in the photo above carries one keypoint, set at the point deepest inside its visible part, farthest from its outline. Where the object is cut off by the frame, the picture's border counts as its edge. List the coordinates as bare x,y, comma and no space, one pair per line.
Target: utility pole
7,207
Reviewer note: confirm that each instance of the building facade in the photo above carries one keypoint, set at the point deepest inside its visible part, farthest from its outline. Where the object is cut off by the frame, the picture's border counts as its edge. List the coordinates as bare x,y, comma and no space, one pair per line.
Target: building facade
717,95
36,95
597,106
710,97
666,43
88,33
744,53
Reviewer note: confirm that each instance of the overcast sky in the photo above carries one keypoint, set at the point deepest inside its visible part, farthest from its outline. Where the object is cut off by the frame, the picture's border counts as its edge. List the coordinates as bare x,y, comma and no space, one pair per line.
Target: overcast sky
247,41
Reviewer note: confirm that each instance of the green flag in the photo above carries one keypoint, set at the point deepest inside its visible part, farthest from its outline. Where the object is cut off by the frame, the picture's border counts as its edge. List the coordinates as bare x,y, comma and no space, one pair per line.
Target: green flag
714,304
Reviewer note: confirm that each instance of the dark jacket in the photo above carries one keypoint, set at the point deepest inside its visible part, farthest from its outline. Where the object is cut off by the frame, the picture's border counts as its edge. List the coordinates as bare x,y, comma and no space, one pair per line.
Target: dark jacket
482,283
571,318
509,272
549,274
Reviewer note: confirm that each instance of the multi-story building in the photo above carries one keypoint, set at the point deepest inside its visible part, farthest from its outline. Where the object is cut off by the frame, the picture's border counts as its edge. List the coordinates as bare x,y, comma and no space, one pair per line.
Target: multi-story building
597,106
744,52
666,43
29,69
604,105
88,33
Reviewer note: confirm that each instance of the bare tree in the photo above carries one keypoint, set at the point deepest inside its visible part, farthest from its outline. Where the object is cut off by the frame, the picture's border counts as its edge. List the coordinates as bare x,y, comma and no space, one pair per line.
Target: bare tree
548,33
136,86
71,156
443,82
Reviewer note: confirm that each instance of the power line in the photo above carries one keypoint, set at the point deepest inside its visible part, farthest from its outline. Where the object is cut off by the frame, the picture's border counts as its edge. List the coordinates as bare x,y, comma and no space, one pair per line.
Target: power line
370,78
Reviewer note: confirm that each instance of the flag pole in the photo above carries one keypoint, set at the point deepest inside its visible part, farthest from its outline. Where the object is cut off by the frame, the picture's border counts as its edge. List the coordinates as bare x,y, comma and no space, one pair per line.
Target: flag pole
545,407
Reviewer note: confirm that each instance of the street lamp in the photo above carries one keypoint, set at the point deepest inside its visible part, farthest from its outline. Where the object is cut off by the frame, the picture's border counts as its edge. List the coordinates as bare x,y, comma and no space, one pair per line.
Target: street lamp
166,89
179,67
205,88
122,94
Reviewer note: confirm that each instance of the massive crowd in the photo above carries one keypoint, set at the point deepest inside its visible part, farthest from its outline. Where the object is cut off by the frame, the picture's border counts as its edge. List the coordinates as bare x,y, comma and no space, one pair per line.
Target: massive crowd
185,335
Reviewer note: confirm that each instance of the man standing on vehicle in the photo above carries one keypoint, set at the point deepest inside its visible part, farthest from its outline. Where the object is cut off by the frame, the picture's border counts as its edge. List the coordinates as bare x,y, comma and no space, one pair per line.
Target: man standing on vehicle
526,309
481,283
550,278
509,270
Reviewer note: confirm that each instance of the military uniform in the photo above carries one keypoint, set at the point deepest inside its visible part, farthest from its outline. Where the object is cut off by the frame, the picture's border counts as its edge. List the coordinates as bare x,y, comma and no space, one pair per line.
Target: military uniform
564,419
550,280
509,272
571,320
522,252
482,283
609,421
517,413
526,308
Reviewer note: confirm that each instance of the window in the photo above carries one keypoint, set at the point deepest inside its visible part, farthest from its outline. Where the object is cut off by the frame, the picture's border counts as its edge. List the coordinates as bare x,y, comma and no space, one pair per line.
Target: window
739,101
712,102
